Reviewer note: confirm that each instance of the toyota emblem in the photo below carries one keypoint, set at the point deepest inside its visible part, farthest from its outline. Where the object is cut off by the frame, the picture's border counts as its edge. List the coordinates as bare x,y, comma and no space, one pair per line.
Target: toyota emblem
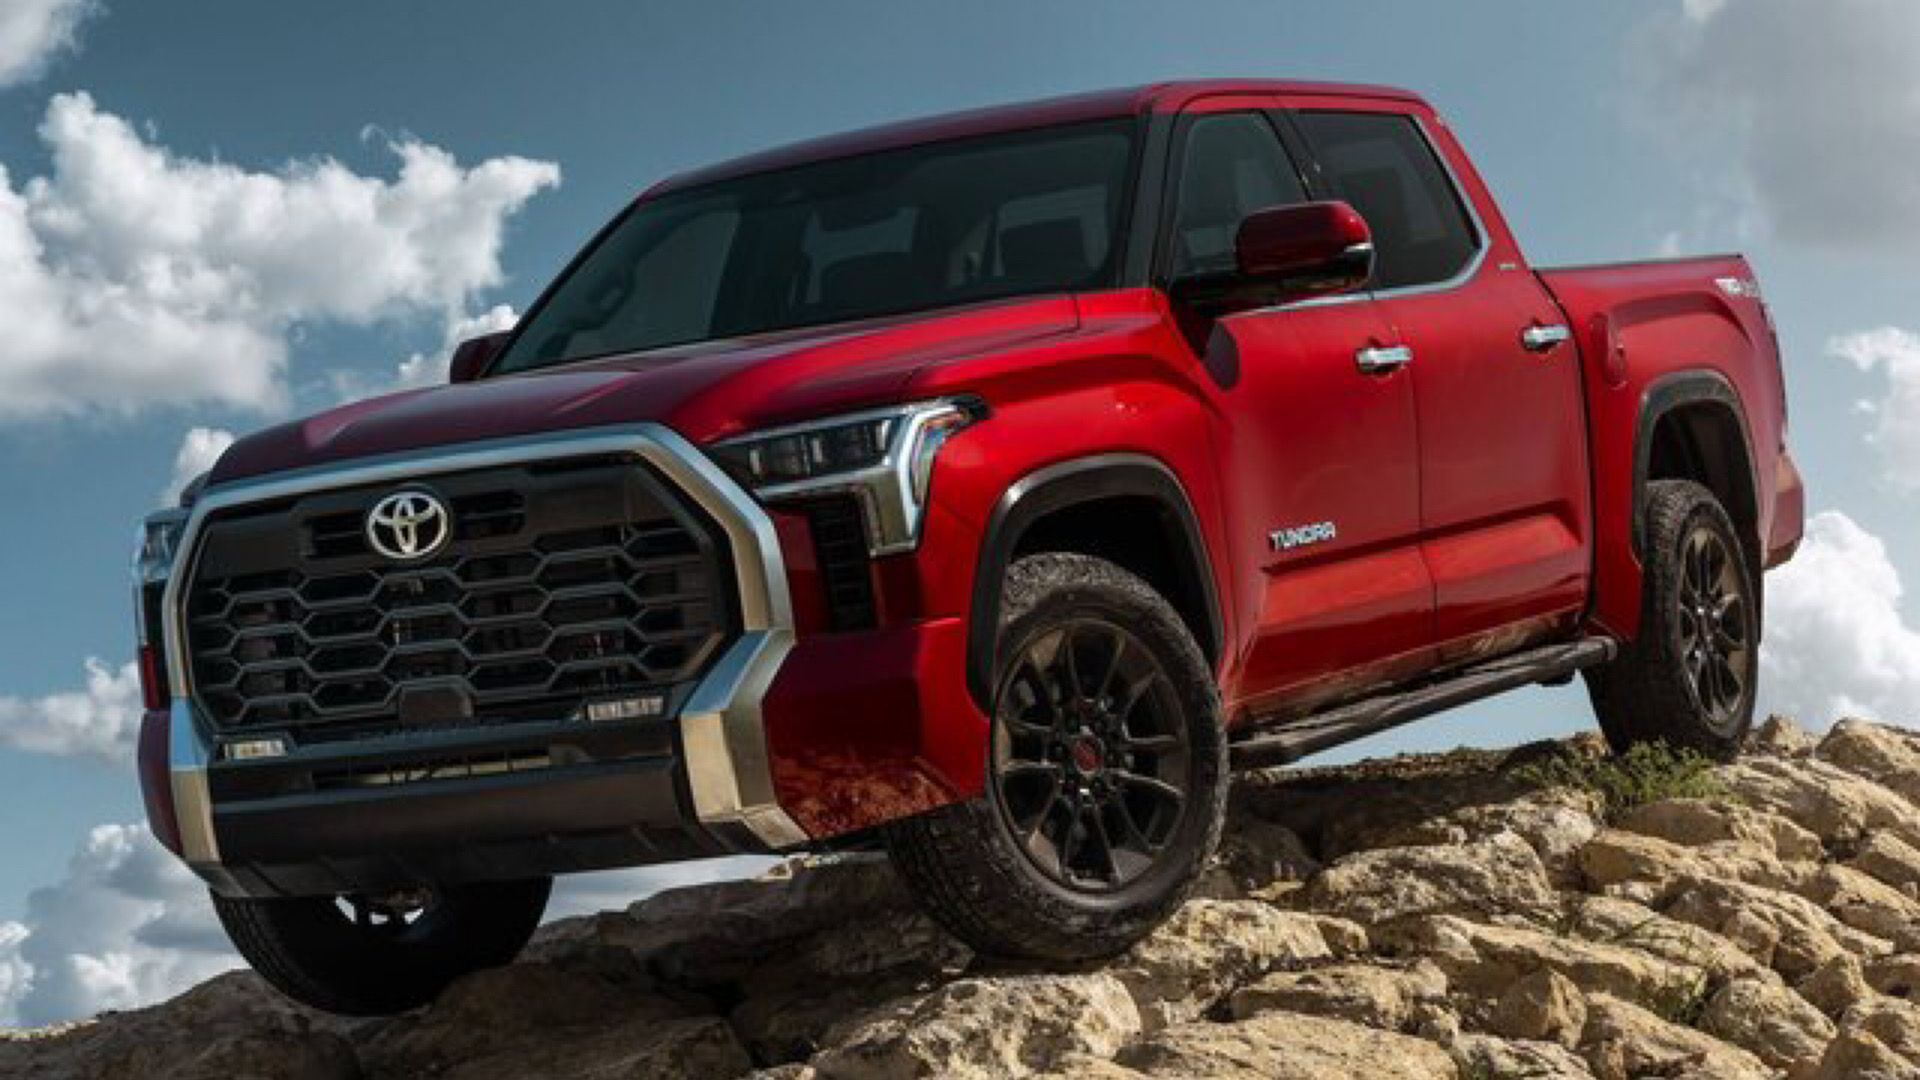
408,525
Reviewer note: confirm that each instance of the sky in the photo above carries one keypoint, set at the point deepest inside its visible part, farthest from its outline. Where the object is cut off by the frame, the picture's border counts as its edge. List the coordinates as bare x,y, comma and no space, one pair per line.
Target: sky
221,214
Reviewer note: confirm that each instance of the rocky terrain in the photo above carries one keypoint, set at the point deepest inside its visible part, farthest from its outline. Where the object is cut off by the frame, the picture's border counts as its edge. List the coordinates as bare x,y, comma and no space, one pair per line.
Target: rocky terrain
1541,913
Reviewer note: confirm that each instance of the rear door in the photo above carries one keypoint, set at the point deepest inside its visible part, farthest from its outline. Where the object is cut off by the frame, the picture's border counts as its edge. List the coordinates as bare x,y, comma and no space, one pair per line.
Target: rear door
1496,381
1320,461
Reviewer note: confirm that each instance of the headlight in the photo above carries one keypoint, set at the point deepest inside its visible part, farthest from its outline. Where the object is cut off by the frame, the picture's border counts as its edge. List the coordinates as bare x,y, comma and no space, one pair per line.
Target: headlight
884,458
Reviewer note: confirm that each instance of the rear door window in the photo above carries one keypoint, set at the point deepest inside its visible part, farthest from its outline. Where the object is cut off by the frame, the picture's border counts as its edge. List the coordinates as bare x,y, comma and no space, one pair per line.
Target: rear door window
1382,164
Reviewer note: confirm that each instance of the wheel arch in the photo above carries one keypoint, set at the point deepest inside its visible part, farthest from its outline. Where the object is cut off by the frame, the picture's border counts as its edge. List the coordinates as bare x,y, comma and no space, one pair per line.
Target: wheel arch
1692,427
1091,506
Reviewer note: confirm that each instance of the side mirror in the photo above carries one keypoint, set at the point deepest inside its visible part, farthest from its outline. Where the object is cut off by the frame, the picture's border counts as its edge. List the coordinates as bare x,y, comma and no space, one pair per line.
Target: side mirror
1288,253
473,356
1307,250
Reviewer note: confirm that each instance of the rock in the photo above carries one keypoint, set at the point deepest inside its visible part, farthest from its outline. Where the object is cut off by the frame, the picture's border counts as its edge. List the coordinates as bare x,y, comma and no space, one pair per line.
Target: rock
1638,927
1701,822
1483,961
1496,875
1779,736
1895,976
1555,822
1791,934
1624,1040
1836,986
1894,1022
231,1026
1856,1055
1285,1046
1207,949
1344,937
1544,1006
1644,867
1885,755
1772,1022
1866,904
1254,855
1890,861
1485,1056
1373,996
983,1028
1838,806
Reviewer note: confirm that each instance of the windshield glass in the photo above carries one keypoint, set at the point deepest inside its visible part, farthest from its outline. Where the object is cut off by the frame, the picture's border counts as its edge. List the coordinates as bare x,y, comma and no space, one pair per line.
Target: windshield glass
905,230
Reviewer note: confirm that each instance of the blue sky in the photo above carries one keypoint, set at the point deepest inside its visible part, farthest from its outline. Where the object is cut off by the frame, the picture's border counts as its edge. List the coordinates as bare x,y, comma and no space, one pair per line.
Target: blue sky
1609,131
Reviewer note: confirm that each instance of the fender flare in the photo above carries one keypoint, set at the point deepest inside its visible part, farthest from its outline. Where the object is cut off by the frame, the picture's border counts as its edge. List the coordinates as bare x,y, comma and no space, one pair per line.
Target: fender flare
1663,396
1064,485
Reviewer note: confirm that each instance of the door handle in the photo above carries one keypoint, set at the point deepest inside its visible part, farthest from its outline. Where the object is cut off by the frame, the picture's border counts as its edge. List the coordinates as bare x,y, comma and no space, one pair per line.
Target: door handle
1541,339
1382,361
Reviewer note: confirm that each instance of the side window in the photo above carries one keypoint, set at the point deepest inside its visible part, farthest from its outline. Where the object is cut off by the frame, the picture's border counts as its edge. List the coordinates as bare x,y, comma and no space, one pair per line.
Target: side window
1230,165
1384,167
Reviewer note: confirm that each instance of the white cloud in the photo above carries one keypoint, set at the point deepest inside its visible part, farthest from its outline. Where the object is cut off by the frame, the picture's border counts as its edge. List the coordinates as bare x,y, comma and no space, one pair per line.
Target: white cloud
1807,117
101,720
127,926
133,277
32,31
198,451
1837,642
1896,416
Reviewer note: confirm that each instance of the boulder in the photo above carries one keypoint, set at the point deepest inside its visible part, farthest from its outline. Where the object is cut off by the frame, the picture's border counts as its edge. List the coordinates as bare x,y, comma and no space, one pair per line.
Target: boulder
1502,874
1644,867
984,1028
1885,755
1482,960
1623,1040
1838,806
1779,736
1544,1006
1638,927
1790,933
1895,976
1865,904
1374,996
1772,1022
1856,1055
1486,1056
1207,949
1889,860
1836,986
1703,822
1286,1046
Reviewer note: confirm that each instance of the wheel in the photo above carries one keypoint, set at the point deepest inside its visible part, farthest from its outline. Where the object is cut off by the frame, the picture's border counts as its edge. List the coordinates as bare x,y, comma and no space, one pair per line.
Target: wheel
1107,774
1688,679
363,957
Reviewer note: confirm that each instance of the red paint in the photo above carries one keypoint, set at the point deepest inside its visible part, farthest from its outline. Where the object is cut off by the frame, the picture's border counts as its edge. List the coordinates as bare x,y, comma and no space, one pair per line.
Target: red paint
1483,495
156,778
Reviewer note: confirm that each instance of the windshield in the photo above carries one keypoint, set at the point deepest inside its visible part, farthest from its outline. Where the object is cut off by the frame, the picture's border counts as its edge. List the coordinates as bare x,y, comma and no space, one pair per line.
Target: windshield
905,230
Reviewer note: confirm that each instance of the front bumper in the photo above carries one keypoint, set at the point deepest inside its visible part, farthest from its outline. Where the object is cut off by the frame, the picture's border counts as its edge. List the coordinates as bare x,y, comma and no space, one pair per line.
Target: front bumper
704,787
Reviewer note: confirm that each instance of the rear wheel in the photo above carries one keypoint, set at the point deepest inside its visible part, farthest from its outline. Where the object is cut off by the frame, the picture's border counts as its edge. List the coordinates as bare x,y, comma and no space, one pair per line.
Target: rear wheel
1689,678
1107,775
360,956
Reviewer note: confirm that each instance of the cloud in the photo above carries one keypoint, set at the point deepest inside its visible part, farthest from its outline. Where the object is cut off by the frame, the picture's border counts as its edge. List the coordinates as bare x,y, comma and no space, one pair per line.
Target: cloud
101,720
615,890
1895,431
1837,643
1810,116
131,277
198,451
33,31
127,926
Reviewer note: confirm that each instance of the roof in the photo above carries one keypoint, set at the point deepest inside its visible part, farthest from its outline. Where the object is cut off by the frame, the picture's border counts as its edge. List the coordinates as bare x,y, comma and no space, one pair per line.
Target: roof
1128,101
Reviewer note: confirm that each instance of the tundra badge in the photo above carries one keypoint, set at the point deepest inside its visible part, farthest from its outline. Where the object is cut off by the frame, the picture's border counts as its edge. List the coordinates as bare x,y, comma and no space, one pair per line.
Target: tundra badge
1299,536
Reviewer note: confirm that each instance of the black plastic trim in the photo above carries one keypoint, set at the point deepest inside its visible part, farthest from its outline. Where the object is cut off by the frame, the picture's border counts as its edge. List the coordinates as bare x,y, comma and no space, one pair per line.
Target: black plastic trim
1059,487
1666,394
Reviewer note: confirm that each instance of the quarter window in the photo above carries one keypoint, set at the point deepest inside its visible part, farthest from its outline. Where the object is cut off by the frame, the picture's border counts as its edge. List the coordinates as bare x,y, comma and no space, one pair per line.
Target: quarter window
1383,165
1232,165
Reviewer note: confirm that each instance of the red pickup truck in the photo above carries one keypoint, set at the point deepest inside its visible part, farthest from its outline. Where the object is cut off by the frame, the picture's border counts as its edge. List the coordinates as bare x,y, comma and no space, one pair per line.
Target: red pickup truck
985,489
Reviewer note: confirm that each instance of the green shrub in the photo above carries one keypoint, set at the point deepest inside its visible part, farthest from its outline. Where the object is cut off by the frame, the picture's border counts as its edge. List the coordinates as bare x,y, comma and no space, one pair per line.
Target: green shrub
1645,774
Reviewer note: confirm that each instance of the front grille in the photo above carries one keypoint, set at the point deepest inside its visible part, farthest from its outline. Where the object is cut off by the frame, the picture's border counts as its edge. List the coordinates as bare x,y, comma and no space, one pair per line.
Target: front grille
562,584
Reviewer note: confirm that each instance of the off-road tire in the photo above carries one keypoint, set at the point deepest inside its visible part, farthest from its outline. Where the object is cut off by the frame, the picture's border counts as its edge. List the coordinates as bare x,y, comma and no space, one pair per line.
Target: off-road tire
1646,694
964,863
317,954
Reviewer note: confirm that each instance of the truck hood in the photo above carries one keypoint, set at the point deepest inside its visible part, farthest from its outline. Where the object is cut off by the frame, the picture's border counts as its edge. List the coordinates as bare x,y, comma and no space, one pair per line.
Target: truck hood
705,392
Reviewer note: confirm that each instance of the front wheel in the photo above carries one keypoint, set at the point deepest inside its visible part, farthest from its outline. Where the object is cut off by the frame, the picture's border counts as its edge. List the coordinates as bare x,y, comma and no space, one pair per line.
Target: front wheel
1107,774
358,956
1689,678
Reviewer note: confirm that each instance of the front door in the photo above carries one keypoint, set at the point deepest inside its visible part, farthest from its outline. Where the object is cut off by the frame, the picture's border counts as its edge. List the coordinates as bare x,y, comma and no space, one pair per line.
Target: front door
1321,464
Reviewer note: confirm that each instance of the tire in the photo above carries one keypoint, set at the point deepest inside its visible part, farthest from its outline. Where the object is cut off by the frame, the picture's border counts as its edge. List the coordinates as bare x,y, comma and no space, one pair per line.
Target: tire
1688,679
1076,849
376,963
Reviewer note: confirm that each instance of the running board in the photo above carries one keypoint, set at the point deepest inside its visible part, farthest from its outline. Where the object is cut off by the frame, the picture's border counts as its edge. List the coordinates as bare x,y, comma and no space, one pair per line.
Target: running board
1297,739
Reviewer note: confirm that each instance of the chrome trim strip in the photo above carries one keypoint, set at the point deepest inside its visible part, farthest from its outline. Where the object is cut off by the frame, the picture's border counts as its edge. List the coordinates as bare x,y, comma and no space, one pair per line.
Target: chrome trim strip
724,738
187,756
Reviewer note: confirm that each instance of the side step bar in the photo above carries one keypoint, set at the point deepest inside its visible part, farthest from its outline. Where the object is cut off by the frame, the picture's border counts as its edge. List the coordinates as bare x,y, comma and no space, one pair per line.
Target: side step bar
1297,739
